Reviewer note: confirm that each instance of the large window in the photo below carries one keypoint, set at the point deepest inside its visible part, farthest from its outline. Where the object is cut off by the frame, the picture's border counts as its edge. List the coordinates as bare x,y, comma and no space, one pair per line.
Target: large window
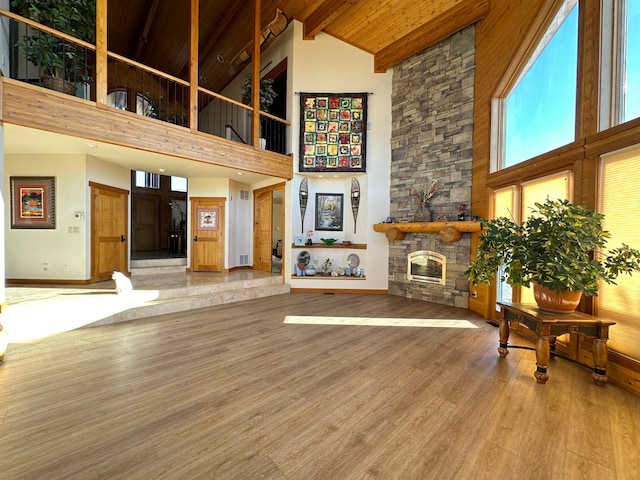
620,62
619,201
538,113
516,203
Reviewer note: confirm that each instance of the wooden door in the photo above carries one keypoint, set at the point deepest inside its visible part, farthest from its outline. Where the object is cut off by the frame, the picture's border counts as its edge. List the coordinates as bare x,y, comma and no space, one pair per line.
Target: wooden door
144,228
207,234
262,220
109,222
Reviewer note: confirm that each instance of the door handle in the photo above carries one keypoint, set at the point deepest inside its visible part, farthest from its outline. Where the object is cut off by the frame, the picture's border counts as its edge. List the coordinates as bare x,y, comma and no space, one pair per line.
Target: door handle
122,239
195,239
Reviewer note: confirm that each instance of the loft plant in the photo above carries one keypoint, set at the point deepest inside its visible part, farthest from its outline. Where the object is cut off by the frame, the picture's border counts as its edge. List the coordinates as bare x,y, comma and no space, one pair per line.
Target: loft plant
558,249
57,57
267,92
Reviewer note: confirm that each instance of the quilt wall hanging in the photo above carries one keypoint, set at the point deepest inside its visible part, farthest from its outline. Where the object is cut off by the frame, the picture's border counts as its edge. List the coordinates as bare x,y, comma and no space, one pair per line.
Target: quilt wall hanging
333,132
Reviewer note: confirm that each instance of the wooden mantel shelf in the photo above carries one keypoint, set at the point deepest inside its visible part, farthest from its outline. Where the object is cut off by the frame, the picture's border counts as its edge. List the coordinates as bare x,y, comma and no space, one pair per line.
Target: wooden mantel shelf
448,231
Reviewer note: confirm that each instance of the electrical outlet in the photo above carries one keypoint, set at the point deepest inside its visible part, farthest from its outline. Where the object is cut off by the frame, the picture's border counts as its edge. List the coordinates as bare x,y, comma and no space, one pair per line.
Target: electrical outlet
70,229
45,266
66,268
76,229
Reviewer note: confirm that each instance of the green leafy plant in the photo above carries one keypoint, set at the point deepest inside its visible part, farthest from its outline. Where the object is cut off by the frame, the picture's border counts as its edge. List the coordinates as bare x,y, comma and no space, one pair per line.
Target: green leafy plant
558,247
267,92
56,56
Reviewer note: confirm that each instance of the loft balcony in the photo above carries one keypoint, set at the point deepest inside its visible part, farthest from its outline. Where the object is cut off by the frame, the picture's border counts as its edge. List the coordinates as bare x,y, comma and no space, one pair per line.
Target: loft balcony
98,95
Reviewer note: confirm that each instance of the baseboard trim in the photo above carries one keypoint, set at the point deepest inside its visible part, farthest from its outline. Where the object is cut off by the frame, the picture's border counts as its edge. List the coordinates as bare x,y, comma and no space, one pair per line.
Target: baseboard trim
339,290
42,281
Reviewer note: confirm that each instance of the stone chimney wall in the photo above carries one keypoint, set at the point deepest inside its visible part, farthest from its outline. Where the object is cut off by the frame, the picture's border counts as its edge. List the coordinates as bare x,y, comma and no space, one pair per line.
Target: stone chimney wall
432,139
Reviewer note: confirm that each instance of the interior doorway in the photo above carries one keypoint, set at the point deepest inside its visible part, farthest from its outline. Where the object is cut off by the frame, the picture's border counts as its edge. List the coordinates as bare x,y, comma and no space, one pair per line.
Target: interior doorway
158,216
268,214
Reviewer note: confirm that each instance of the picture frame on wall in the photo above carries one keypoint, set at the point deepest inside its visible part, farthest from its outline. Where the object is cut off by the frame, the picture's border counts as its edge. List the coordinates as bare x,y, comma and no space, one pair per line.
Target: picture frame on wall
333,131
33,202
329,211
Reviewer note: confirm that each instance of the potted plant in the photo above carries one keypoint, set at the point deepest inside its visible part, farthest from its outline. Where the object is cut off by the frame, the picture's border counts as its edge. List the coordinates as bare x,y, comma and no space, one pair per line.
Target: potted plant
61,61
558,249
267,93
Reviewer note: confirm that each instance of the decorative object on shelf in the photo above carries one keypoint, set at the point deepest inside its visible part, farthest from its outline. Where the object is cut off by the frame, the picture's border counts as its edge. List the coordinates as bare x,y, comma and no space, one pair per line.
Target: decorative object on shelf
326,265
359,272
328,241
462,208
310,270
33,202
298,240
303,195
310,237
333,132
555,248
423,195
353,260
329,211
355,200
339,271
302,261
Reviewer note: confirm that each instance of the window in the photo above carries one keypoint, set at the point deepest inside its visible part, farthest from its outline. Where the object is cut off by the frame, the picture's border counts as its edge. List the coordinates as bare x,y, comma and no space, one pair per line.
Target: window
619,200
147,180
538,113
178,184
119,99
620,63
517,203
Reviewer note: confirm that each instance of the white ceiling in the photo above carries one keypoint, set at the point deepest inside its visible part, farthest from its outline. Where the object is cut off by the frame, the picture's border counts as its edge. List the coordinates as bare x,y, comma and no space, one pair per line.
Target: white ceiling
23,140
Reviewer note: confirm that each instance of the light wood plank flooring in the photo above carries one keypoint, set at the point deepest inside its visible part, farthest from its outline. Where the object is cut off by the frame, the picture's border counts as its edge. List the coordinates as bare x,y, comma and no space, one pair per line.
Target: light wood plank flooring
231,392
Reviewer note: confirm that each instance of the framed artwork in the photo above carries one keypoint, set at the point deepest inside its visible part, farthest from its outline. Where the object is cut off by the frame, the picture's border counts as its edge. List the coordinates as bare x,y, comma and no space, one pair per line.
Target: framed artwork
208,218
329,211
333,132
33,202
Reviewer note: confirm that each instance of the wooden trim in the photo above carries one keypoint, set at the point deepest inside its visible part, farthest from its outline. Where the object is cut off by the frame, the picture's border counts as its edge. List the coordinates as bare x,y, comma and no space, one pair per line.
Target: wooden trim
44,281
323,15
331,291
110,188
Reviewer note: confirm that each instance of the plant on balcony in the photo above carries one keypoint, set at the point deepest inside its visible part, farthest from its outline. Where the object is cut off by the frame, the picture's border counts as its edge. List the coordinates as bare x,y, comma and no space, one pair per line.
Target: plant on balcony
267,92
557,249
57,57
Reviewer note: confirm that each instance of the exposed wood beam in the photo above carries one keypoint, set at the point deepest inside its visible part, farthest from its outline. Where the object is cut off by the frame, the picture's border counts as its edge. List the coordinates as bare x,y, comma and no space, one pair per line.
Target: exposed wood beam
323,15
453,20
193,65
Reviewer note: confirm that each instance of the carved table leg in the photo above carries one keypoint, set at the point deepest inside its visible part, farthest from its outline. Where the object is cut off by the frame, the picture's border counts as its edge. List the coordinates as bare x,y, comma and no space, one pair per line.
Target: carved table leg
504,337
600,357
552,347
542,360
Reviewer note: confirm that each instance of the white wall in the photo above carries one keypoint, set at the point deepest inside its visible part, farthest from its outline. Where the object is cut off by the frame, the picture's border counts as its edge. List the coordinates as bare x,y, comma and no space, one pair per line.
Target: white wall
326,65
66,249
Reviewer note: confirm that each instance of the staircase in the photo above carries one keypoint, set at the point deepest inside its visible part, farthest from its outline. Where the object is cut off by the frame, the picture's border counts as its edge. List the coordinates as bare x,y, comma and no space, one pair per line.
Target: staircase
164,286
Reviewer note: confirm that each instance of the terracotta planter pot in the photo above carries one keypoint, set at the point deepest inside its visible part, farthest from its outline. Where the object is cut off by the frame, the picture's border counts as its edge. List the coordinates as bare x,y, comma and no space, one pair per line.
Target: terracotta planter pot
554,302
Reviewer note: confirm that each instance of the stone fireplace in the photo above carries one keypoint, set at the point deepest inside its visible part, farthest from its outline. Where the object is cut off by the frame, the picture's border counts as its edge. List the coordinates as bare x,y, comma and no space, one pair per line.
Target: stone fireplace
432,139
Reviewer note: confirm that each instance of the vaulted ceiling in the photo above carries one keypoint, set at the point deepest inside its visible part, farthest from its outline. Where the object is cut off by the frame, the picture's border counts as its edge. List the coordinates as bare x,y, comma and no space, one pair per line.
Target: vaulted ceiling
156,32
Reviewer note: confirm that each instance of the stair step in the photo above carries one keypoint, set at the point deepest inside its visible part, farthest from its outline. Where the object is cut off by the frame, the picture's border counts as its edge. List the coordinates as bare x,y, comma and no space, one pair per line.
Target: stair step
158,270
167,302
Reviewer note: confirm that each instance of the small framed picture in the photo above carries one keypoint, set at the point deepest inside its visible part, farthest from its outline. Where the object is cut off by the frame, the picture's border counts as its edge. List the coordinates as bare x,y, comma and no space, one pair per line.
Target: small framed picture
298,240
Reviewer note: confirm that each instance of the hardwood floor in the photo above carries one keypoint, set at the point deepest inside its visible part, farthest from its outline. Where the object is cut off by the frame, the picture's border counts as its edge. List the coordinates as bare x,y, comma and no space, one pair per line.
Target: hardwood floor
231,392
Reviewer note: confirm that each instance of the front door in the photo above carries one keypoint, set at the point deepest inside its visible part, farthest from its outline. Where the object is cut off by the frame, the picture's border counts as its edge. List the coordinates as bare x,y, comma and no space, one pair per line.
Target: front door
109,221
207,234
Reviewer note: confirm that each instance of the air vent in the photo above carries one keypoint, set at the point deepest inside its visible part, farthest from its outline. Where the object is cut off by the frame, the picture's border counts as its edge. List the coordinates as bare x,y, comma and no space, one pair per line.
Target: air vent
244,259
244,194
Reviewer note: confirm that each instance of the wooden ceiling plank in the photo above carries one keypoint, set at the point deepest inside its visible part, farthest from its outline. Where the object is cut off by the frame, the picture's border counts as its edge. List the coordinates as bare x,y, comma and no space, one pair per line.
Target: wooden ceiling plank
323,15
462,15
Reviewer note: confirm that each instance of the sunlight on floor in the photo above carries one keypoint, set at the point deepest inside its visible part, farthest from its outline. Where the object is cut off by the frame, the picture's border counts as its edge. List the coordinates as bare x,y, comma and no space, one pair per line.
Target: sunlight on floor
61,313
380,322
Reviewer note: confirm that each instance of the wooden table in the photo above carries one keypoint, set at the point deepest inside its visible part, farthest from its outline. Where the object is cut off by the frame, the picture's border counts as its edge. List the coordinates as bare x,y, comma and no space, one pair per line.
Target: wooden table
548,326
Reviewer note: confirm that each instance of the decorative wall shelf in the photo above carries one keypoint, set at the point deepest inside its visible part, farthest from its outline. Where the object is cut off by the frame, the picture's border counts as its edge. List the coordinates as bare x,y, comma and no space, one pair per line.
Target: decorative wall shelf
356,246
448,231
